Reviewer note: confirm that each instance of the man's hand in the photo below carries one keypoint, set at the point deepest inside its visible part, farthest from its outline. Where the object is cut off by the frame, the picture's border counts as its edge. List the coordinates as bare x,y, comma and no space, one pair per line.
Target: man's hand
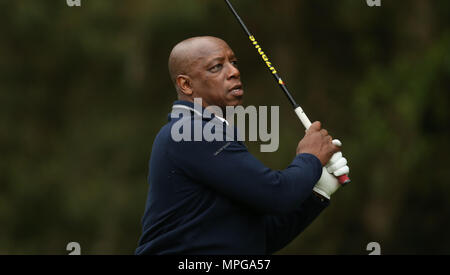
337,164
318,142
328,184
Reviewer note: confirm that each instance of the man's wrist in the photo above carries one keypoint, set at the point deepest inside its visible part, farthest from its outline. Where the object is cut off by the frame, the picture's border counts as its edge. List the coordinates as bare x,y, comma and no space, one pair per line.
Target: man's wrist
320,194
314,161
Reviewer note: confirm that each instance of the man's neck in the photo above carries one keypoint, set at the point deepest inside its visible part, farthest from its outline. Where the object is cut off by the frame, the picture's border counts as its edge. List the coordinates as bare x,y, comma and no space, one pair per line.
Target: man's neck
218,114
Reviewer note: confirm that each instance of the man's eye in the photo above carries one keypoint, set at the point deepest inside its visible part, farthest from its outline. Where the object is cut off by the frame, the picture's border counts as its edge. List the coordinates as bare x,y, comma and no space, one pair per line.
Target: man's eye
216,68
235,63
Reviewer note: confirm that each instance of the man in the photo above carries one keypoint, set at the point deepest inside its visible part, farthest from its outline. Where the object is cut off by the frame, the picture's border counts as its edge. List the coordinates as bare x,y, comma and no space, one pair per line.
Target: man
214,197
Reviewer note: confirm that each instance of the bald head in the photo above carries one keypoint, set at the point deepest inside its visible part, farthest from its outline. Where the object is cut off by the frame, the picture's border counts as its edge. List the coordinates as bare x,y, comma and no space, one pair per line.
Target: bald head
186,54
205,67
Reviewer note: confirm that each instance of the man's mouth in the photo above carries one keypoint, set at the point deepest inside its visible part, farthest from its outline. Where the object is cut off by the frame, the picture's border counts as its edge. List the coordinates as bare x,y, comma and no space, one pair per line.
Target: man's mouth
236,90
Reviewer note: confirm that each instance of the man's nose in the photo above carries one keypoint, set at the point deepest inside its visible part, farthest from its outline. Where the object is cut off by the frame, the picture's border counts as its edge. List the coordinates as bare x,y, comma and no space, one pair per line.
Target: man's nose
233,72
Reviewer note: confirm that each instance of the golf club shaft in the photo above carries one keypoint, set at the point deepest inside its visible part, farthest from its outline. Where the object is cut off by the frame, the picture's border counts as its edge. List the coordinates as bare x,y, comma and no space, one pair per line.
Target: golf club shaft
344,179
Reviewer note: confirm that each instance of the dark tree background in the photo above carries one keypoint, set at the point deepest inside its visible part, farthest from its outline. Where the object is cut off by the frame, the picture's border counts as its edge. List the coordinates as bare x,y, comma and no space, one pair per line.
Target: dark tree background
84,90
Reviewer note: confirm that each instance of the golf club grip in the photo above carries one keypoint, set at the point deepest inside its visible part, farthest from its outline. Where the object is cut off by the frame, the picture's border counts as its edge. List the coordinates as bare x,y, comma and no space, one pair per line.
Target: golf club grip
344,179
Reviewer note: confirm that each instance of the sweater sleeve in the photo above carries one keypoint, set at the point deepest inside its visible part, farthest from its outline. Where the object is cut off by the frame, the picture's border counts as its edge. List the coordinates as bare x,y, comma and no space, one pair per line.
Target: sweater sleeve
228,168
282,229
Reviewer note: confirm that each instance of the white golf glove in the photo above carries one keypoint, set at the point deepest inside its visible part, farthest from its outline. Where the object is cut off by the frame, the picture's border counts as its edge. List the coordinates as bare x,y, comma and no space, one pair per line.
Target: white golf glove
328,184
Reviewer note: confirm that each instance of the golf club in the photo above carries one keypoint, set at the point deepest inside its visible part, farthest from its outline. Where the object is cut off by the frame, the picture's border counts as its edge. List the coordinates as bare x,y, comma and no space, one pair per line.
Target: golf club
344,179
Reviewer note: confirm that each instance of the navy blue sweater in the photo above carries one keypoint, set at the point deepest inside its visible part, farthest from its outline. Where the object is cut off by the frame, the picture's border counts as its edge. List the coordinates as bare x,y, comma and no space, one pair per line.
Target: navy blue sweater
216,198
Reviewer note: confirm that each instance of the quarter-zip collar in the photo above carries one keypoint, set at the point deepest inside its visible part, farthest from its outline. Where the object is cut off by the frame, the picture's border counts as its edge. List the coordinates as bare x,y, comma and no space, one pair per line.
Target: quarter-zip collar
197,110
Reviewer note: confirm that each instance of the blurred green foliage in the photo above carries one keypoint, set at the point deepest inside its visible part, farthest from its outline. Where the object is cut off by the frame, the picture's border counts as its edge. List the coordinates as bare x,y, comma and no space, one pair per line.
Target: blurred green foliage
84,90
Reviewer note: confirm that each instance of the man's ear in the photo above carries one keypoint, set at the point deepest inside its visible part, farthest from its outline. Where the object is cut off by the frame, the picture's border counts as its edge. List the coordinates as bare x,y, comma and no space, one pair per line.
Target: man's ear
184,85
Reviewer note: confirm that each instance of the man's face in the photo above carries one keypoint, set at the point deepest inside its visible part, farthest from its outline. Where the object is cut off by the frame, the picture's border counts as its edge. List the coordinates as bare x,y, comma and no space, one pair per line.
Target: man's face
215,77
